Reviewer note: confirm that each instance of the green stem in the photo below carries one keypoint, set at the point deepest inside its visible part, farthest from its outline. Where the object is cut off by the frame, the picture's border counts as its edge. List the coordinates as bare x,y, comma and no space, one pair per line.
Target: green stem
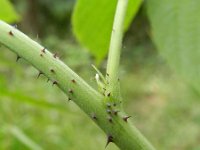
115,49
123,133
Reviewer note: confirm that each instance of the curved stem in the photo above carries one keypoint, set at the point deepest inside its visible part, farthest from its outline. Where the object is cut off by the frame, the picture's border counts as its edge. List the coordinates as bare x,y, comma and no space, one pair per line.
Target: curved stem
119,130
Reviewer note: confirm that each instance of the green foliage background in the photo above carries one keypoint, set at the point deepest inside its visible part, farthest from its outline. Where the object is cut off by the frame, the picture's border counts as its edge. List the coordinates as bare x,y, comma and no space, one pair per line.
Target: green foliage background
36,115
176,33
7,12
92,23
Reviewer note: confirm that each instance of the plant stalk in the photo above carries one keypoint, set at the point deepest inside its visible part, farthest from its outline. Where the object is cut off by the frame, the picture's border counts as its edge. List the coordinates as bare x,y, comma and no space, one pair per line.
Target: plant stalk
123,133
115,49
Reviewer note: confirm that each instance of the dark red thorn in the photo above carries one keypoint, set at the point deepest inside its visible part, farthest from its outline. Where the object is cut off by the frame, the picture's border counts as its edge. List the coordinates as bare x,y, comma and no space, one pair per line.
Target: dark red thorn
110,119
55,55
11,33
108,111
94,117
40,73
115,112
108,105
70,91
52,70
73,81
55,83
15,26
108,94
126,118
109,140
18,57
44,50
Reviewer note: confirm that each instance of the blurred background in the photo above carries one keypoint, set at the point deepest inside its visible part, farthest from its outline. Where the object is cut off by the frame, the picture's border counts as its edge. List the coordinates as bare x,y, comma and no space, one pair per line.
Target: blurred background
36,115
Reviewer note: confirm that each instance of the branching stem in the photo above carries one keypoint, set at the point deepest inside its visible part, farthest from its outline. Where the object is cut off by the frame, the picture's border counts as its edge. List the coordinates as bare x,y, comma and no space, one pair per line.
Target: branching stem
113,122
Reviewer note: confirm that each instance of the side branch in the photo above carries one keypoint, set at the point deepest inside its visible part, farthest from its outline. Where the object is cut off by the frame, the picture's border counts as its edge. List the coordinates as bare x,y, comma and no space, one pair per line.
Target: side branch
115,49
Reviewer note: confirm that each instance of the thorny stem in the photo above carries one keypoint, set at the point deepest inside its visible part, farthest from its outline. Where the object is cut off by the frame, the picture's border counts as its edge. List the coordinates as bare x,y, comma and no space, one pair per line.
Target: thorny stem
115,49
115,125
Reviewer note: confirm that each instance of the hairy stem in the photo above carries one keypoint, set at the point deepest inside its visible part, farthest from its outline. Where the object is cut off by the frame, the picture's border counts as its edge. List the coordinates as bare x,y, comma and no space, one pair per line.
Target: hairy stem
115,49
115,125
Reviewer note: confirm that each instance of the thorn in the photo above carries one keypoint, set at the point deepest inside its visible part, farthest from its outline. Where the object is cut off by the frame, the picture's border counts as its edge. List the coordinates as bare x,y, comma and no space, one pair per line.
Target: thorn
94,117
55,55
108,105
44,50
69,99
115,112
73,81
110,119
37,37
15,26
41,55
55,83
108,111
114,104
126,118
52,70
11,33
18,57
107,74
40,73
109,140
108,94
70,91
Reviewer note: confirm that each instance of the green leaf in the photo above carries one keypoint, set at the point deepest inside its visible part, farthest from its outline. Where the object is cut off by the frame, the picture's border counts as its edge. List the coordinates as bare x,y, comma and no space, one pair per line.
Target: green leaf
92,23
176,32
7,12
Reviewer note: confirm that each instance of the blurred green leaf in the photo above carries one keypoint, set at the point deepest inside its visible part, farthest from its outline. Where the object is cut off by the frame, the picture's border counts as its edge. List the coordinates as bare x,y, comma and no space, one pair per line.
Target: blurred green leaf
92,23
29,100
22,137
176,33
7,12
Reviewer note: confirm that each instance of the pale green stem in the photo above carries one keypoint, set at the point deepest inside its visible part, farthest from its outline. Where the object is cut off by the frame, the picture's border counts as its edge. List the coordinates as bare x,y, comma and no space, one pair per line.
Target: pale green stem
124,134
115,49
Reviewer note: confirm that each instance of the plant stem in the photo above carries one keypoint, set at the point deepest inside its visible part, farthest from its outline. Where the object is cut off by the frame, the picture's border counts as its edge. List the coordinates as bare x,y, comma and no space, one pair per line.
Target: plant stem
115,49
123,133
